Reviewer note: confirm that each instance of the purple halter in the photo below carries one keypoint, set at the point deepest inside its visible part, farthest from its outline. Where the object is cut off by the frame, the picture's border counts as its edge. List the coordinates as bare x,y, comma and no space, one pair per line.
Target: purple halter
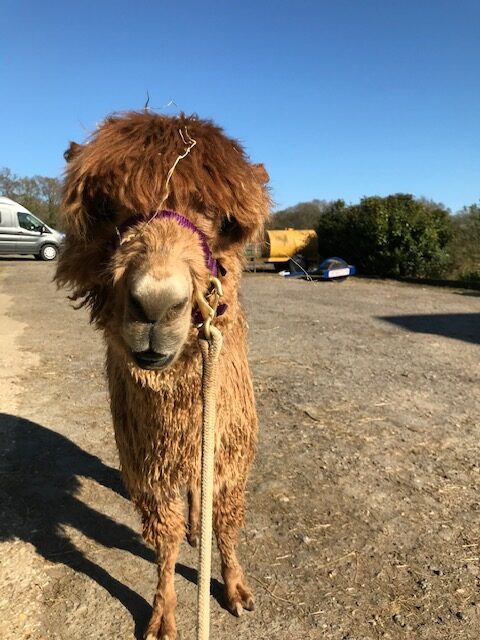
212,264
210,261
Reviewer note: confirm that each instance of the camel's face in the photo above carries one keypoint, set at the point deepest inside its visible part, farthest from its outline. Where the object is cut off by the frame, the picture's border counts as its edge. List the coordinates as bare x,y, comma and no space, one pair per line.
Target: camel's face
159,271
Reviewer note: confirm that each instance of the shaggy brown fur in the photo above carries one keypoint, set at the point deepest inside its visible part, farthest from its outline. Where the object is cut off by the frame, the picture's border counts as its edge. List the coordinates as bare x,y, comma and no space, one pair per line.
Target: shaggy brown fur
141,293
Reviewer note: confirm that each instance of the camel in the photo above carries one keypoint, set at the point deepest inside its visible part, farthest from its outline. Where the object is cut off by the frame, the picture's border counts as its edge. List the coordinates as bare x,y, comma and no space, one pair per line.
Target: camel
152,207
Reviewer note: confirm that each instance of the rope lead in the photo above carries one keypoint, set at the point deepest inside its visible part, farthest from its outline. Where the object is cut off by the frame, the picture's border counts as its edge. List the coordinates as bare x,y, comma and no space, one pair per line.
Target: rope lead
210,349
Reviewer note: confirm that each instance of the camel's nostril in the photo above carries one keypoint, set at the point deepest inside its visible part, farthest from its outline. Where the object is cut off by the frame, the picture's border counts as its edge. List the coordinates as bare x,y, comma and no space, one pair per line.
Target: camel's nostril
150,359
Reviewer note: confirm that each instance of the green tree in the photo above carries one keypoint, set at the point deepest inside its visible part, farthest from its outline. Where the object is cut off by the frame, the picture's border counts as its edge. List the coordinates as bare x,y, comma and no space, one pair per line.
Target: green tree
393,236
465,244
8,183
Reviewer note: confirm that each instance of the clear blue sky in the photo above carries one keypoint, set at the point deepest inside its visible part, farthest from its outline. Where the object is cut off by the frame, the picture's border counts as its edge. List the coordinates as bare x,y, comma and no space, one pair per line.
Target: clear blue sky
339,98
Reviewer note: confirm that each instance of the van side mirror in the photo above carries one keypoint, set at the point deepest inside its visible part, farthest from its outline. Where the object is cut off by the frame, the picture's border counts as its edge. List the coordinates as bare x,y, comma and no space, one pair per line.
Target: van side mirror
43,229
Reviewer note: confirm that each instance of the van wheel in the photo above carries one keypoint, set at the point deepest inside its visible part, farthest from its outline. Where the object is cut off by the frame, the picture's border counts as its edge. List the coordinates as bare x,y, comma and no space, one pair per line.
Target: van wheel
48,252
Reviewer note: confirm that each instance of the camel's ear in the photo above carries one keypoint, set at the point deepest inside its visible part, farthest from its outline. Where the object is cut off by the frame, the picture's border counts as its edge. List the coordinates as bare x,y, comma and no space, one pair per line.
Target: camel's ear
79,193
261,173
72,151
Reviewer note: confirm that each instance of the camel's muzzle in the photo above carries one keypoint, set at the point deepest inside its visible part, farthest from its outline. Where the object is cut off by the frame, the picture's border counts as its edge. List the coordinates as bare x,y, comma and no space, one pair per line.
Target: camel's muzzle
152,360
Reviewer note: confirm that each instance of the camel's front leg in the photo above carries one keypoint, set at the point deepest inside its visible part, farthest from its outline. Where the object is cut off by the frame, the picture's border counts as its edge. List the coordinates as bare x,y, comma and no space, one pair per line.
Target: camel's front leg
193,530
164,527
228,515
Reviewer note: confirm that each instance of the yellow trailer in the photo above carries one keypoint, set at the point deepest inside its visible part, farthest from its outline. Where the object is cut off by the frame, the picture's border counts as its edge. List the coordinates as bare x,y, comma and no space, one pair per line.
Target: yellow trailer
286,249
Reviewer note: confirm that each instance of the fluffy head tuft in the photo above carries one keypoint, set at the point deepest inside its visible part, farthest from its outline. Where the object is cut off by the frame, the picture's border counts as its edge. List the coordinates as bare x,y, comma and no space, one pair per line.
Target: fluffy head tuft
123,169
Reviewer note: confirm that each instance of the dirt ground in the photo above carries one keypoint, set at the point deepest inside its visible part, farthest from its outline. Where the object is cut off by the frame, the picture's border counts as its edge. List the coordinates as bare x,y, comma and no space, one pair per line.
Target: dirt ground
364,501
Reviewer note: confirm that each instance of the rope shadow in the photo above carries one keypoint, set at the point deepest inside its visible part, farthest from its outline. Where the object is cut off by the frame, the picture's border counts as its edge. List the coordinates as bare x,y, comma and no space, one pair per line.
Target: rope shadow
216,587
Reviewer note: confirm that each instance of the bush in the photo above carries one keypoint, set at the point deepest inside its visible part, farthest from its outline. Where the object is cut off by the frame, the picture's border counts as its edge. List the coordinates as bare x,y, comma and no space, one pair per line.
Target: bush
464,247
393,236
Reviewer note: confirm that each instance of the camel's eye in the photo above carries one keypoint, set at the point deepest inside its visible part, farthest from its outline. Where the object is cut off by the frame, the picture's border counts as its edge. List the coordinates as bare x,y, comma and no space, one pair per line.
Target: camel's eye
103,206
229,226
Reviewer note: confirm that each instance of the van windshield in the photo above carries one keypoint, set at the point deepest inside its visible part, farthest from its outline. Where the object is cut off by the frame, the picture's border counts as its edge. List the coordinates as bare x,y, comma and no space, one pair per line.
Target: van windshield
29,222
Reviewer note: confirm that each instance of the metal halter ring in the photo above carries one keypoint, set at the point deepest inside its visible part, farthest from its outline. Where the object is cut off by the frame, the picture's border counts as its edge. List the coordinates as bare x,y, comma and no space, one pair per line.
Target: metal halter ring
208,304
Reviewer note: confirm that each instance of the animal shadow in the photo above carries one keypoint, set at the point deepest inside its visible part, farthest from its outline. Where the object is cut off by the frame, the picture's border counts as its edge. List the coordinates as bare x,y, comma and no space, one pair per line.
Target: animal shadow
461,326
39,471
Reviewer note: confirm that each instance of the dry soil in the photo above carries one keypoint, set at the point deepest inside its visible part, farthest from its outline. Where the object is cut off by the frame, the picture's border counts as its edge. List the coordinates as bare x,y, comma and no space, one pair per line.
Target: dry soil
364,500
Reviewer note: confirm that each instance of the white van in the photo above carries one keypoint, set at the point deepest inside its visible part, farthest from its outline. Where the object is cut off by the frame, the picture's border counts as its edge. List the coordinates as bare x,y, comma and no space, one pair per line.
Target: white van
22,232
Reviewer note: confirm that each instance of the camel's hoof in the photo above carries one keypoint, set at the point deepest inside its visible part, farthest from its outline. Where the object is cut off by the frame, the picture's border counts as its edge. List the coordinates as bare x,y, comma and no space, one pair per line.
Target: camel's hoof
192,540
238,607
240,599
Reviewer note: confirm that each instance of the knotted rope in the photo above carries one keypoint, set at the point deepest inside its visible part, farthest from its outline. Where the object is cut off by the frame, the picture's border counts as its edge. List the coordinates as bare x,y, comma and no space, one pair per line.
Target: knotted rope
210,348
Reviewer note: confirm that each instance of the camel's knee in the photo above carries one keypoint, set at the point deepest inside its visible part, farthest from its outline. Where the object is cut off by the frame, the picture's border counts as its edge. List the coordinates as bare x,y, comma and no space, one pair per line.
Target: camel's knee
229,510
163,522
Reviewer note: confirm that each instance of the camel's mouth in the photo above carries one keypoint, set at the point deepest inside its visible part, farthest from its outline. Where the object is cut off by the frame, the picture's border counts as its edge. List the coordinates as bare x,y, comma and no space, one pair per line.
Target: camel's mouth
152,360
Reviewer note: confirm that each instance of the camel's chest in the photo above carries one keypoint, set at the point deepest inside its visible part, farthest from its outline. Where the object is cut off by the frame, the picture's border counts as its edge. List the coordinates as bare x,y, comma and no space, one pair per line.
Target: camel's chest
158,429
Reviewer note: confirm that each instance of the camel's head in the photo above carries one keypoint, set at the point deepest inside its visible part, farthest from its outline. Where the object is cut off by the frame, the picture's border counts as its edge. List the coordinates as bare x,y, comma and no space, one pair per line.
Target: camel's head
142,274
160,269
